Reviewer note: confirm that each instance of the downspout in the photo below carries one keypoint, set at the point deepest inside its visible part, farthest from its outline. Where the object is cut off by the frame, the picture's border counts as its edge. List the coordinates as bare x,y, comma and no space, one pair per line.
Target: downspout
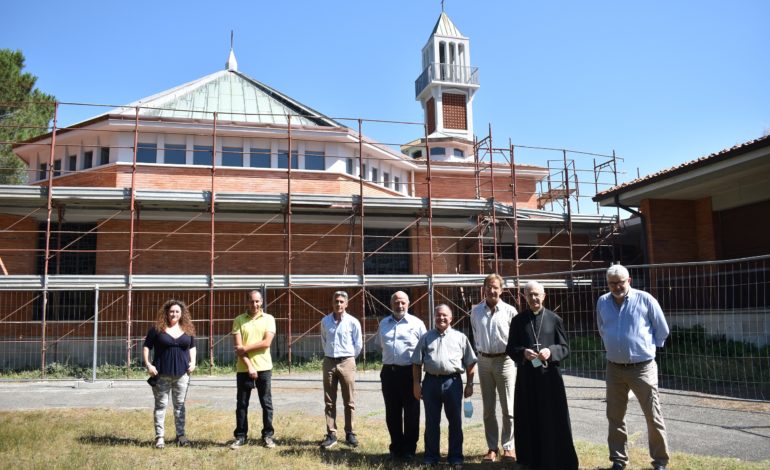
635,212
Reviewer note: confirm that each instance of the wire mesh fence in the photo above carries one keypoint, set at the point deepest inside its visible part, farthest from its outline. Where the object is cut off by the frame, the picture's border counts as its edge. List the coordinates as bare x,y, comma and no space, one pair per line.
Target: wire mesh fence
718,313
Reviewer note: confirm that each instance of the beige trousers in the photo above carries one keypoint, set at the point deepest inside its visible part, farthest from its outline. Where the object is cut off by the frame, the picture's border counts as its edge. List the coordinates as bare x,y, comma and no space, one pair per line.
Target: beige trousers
497,376
342,372
643,381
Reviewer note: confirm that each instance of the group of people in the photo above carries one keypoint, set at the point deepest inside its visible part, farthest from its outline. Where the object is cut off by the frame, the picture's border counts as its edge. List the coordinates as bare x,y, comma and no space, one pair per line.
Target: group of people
535,429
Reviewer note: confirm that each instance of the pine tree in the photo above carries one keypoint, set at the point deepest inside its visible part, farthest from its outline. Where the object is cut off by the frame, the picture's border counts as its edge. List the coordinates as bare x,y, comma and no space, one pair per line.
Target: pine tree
25,112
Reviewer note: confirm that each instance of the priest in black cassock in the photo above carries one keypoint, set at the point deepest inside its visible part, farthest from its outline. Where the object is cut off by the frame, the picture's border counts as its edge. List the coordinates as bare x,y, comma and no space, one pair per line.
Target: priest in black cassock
537,343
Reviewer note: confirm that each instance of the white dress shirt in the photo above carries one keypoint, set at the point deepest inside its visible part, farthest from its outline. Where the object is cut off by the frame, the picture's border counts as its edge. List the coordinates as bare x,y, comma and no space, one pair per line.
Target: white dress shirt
491,326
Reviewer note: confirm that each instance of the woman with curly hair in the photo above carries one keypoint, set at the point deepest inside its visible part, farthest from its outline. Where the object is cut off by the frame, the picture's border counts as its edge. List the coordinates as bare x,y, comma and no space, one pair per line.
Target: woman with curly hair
173,340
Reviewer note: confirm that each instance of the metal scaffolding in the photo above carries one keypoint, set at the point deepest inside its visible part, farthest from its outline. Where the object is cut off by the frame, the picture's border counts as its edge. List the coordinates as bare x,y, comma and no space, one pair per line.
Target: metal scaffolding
493,222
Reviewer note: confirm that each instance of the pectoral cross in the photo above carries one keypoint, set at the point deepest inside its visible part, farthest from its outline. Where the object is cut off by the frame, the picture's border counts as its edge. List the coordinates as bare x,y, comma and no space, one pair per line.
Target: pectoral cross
537,346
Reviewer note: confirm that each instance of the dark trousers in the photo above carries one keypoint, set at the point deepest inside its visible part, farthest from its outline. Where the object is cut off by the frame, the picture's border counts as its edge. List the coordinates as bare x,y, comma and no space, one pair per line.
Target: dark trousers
444,391
243,395
402,410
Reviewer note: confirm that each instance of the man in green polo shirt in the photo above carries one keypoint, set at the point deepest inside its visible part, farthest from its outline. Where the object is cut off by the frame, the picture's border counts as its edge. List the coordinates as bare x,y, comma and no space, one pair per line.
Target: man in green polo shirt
253,332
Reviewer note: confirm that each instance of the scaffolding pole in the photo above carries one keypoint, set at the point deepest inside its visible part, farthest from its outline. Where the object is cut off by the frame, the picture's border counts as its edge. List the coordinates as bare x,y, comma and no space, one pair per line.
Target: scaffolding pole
361,226
212,241
289,253
131,235
514,208
47,253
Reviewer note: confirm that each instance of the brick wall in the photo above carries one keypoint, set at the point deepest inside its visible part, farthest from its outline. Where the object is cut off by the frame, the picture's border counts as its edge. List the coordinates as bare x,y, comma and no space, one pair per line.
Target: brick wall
449,254
679,231
449,185
227,180
178,247
704,230
18,242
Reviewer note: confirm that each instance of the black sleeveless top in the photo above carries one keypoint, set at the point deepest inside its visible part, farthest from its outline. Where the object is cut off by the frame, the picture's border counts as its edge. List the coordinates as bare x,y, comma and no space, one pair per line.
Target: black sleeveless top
171,355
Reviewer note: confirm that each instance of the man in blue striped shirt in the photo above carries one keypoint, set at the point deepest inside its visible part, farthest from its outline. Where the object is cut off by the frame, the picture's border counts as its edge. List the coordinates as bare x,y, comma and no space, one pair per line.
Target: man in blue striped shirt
398,335
632,325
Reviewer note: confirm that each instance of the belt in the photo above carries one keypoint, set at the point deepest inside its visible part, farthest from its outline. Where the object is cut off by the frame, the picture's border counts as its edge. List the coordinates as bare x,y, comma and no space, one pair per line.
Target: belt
631,364
444,376
338,359
395,367
492,355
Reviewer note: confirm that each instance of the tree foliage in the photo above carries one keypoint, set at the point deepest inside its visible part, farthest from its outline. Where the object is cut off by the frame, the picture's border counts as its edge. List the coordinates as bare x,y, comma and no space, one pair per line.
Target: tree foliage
25,112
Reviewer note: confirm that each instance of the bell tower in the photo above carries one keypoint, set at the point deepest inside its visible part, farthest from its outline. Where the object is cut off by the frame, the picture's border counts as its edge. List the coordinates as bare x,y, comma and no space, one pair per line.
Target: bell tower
446,86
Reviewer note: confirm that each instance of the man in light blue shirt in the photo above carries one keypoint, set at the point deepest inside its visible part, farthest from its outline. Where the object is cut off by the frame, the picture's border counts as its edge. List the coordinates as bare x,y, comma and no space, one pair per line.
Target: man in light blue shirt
398,335
631,324
342,342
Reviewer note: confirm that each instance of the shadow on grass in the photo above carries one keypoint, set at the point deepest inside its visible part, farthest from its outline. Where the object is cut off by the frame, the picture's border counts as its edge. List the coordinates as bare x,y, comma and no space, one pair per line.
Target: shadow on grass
110,440
343,455
339,456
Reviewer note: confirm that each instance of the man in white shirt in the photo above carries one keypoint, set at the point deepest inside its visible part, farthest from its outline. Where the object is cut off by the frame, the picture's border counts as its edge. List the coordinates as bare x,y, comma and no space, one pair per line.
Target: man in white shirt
491,322
342,342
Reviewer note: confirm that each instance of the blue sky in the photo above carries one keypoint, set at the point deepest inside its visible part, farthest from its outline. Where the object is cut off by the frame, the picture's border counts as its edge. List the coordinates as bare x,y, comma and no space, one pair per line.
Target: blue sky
659,82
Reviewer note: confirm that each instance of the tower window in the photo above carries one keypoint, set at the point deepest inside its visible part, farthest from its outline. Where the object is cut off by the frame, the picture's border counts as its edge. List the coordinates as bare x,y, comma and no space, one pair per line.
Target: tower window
437,151
430,118
459,153
454,111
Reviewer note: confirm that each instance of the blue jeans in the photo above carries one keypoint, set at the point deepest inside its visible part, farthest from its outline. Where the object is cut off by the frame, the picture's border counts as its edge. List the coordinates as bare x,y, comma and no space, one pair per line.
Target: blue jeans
245,385
446,391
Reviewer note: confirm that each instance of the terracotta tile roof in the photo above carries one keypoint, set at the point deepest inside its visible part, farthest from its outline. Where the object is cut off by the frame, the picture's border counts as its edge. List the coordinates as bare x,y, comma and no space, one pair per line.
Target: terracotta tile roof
722,155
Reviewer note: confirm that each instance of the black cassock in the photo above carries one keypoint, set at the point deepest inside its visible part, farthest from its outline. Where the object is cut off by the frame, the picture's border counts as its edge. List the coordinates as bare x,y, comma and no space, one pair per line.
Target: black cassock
541,424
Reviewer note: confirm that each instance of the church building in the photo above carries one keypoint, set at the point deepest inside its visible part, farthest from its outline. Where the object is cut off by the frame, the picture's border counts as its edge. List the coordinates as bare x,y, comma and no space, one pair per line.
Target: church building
224,183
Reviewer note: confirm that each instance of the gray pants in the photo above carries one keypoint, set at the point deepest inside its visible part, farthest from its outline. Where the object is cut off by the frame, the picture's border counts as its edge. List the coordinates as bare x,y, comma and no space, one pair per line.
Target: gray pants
497,376
177,388
643,381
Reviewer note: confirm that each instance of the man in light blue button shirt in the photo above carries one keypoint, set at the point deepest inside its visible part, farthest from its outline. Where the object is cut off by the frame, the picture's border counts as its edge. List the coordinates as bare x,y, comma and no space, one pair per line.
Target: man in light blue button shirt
631,324
342,342
398,335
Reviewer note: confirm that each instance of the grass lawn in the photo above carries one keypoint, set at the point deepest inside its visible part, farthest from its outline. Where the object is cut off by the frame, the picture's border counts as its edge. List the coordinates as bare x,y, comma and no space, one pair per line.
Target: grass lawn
94,438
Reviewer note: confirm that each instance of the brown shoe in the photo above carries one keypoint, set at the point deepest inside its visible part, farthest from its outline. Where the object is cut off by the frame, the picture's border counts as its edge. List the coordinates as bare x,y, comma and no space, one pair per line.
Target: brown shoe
490,457
508,455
